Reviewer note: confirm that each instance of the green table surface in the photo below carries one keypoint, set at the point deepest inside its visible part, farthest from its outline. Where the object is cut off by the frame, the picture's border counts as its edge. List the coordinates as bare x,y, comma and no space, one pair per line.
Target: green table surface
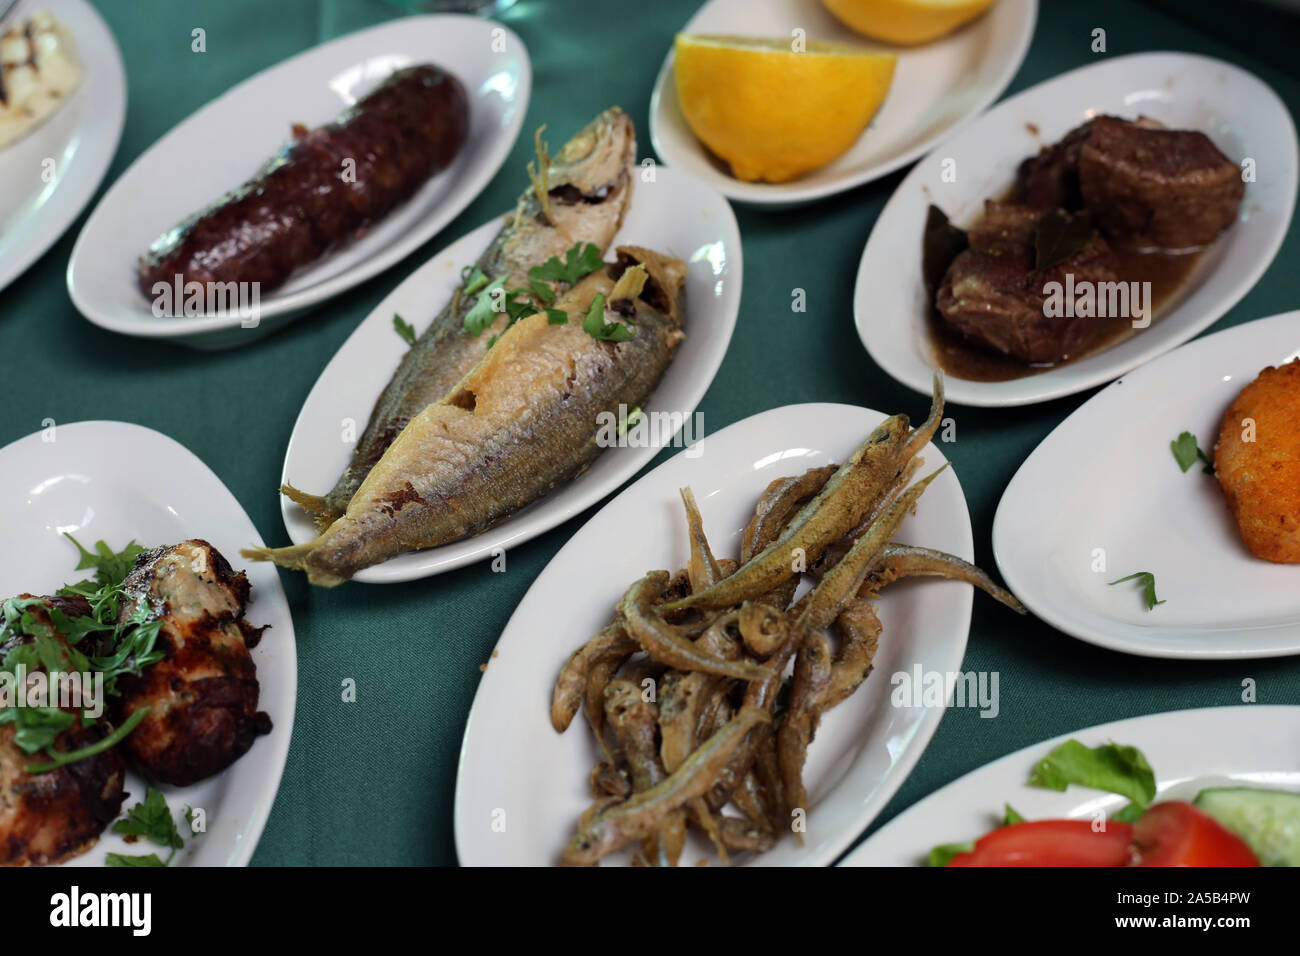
372,782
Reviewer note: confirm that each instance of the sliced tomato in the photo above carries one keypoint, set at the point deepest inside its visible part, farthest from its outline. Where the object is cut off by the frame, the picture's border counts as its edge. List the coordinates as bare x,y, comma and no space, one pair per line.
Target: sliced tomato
1051,843
1178,834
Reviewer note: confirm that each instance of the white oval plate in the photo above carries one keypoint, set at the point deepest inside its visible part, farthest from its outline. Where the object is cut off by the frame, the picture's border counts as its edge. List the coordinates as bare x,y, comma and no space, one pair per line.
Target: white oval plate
938,87
675,214
117,482
1250,746
223,144
513,760
1239,112
1105,478
81,138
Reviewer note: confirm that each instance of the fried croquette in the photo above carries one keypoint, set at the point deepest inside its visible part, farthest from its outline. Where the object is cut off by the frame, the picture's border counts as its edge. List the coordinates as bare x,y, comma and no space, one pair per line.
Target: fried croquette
1257,460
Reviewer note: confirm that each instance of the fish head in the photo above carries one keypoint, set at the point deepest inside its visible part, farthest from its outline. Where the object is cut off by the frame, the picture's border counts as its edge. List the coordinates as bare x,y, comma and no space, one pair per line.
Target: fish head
595,162
588,186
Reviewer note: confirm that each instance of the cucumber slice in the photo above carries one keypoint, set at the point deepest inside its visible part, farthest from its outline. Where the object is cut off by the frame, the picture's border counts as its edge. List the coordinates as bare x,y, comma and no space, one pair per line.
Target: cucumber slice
1268,820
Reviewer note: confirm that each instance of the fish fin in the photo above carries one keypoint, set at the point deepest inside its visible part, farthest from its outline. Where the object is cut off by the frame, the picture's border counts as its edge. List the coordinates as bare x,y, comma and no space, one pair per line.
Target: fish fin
315,504
297,558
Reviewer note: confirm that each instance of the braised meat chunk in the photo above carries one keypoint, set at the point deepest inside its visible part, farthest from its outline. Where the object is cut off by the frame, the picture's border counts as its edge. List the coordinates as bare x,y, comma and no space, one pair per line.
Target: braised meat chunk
993,293
53,815
1050,180
203,695
1158,188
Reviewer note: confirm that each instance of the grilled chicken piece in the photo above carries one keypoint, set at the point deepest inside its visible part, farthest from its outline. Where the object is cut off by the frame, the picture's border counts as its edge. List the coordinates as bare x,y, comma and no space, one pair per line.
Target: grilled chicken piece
48,817
203,695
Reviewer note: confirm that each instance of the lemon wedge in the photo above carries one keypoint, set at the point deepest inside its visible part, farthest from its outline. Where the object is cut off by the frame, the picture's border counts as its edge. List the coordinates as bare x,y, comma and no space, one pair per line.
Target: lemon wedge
906,22
776,109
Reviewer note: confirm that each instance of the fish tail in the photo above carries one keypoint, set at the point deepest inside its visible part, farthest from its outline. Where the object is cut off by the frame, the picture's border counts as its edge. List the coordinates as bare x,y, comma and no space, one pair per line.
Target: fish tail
298,558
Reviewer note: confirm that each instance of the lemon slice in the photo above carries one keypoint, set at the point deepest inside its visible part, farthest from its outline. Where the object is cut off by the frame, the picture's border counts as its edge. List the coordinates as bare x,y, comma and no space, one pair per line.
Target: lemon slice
906,21
775,110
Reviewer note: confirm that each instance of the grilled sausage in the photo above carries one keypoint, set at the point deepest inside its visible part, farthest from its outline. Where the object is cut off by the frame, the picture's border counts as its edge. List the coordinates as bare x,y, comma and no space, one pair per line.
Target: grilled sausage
203,695
322,190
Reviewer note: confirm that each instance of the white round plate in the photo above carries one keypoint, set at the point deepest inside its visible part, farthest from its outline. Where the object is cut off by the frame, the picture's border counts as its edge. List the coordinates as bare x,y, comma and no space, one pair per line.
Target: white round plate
1254,745
937,88
1106,479
512,759
116,482
1238,111
80,138
674,214
225,142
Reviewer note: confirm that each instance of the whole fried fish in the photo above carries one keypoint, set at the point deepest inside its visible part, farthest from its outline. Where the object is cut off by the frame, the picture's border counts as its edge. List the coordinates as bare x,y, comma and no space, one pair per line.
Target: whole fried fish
527,418
579,196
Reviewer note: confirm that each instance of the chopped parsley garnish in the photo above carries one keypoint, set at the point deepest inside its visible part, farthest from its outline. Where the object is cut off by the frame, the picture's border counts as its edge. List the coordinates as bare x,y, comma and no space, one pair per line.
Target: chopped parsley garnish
494,299
580,260
151,819
1186,452
596,326
403,328
1148,582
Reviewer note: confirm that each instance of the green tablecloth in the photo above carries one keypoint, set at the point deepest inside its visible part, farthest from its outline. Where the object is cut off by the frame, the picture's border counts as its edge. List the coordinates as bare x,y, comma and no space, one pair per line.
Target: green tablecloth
373,782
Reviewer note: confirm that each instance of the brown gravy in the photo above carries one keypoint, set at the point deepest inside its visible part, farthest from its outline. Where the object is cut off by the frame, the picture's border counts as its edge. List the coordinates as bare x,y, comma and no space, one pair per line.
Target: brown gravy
960,357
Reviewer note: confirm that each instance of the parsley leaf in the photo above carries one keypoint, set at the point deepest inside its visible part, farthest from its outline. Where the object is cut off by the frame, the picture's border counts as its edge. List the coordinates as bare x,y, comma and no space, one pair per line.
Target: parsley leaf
1187,451
597,328
403,328
152,820
473,279
1148,582
1011,816
556,317
484,311
580,260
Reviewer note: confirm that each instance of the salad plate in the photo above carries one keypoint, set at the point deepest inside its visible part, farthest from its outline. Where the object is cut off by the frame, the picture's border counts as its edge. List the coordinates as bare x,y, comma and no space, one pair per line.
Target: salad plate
1189,750
85,479
1102,497
515,766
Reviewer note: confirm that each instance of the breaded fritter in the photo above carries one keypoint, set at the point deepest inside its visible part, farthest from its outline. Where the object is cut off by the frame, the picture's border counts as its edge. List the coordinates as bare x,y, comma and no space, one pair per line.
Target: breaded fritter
1261,478
203,695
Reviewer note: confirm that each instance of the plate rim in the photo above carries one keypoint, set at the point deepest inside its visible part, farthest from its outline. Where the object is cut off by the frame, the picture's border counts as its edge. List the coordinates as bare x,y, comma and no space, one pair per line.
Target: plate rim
111,91
791,194
925,727
1029,595
286,308
859,856
994,394
241,852
488,540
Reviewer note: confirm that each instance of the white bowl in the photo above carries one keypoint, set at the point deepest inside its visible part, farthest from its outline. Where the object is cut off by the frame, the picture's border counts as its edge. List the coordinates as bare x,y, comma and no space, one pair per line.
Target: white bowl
514,766
938,88
80,138
1237,110
117,482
